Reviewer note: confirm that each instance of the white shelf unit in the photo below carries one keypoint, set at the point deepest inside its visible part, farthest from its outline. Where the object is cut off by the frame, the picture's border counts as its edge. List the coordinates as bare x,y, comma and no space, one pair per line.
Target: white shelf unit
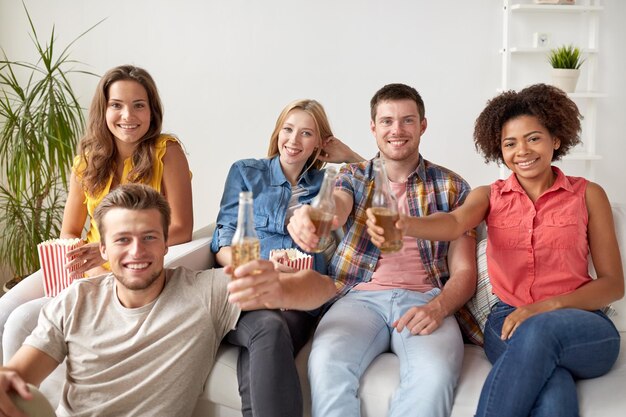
524,63
559,8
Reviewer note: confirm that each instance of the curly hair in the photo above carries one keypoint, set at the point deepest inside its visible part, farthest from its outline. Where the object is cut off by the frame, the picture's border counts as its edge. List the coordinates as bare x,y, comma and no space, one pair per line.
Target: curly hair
97,148
550,105
316,111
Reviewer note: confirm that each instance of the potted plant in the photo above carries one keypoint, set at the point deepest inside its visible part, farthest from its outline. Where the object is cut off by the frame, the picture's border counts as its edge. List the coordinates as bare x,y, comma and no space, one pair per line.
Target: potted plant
40,123
566,61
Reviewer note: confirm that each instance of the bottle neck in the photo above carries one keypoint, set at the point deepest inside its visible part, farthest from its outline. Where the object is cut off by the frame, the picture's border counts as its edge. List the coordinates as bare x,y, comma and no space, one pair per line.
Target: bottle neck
327,187
325,200
383,194
245,219
381,181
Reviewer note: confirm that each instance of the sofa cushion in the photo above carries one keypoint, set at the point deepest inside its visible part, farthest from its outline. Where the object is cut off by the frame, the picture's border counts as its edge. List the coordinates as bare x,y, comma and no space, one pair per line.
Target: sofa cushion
222,385
475,369
482,301
378,383
604,396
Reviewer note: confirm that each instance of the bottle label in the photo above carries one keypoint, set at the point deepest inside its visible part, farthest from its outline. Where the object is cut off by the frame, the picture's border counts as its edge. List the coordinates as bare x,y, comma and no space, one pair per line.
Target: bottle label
244,252
387,219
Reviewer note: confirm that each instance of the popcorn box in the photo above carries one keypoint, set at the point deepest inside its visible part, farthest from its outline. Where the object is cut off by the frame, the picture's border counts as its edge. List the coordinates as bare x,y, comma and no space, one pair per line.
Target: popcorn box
52,260
297,260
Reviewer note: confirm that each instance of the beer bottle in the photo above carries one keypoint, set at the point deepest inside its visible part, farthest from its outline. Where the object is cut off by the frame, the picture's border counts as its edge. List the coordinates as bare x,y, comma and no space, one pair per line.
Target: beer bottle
245,246
323,210
385,209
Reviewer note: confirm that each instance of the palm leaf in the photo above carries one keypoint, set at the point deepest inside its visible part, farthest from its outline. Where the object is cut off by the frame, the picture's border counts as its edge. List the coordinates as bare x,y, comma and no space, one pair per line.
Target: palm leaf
41,120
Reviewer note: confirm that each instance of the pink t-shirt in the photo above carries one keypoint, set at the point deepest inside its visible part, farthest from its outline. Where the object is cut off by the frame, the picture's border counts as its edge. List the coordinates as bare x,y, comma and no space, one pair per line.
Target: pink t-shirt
537,250
402,269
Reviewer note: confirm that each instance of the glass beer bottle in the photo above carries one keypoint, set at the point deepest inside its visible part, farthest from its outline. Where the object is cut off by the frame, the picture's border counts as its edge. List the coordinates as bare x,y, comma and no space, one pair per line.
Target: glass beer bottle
245,246
385,209
323,210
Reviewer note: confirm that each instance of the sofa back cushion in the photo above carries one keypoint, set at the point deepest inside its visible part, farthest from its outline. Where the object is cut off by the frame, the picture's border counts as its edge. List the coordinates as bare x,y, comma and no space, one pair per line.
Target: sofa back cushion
480,304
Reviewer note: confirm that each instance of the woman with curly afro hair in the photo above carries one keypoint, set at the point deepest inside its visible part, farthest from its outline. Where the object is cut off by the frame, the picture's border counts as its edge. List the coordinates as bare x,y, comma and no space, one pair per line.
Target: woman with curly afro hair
548,329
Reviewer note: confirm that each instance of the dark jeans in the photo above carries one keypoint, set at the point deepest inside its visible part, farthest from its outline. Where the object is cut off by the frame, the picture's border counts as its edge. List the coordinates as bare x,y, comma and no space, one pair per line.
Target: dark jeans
268,380
534,372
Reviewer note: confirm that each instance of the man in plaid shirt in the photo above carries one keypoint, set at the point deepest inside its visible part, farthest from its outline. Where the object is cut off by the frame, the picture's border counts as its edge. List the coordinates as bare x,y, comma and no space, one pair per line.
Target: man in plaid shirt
392,302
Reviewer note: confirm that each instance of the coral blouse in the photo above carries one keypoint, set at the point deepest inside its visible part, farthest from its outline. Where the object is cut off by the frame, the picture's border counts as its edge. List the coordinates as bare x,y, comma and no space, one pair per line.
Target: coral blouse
537,250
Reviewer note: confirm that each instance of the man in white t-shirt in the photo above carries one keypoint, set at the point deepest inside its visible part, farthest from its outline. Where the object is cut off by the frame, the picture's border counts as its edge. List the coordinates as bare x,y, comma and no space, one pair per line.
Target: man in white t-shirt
142,340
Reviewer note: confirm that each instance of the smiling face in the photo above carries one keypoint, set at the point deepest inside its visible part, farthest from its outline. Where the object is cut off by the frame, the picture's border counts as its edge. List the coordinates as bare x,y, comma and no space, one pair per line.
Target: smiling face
128,112
527,148
398,129
297,140
135,246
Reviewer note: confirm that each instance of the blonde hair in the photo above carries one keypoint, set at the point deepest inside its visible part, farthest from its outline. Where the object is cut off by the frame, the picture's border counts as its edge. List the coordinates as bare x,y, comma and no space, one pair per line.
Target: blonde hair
316,111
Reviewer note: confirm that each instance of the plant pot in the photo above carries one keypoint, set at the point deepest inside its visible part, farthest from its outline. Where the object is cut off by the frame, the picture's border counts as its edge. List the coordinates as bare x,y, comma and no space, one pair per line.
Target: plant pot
565,79
11,283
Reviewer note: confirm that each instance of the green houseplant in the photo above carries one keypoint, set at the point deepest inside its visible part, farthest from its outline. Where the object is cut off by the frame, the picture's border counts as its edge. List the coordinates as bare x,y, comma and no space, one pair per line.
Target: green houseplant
567,57
40,123
565,61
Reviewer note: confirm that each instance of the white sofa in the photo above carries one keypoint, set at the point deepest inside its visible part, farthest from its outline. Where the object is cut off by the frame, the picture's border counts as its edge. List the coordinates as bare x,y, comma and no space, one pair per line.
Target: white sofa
600,397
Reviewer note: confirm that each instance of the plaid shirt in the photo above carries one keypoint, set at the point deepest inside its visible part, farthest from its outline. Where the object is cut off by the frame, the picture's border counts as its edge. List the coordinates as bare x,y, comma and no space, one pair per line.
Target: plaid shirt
430,189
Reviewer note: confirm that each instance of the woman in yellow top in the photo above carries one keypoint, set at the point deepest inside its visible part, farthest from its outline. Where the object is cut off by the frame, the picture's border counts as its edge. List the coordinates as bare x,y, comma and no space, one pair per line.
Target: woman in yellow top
123,143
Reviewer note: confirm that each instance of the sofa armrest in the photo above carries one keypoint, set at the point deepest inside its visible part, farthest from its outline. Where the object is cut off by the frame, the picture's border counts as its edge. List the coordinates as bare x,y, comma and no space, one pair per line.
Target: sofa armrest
196,254
619,217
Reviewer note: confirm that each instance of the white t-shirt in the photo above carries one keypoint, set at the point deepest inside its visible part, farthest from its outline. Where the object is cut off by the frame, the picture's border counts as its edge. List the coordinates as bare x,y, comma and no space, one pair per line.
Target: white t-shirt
148,361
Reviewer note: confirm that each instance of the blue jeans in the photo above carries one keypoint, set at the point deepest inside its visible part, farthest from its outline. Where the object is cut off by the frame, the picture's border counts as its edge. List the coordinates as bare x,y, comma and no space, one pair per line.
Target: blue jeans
357,329
534,372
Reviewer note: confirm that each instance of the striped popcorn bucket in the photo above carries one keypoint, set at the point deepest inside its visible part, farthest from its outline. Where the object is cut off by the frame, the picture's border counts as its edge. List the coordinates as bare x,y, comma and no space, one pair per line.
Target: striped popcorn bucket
297,260
52,258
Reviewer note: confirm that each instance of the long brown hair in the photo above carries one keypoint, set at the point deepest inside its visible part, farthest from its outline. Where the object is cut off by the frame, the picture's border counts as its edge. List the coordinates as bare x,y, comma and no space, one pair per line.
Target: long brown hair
97,147
316,111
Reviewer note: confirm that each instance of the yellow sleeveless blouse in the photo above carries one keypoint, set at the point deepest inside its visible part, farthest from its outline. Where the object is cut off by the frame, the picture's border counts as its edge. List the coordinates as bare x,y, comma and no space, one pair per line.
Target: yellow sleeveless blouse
93,235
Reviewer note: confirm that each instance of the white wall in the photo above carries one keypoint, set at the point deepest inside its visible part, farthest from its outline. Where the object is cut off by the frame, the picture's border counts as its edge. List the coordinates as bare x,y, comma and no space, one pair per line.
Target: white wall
226,68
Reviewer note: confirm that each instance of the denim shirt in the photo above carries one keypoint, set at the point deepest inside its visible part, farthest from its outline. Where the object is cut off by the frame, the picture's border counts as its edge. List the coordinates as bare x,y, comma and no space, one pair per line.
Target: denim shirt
271,191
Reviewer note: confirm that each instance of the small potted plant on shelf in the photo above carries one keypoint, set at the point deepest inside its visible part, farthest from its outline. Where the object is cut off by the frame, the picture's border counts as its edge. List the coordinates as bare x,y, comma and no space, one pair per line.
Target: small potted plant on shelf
566,61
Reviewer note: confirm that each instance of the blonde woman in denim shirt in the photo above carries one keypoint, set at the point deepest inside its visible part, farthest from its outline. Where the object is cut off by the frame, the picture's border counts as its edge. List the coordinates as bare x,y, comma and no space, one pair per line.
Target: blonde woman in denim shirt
290,176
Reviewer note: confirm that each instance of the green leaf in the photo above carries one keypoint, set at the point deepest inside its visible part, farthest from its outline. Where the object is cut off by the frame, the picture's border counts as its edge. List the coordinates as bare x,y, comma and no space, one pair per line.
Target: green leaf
567,57
41,121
